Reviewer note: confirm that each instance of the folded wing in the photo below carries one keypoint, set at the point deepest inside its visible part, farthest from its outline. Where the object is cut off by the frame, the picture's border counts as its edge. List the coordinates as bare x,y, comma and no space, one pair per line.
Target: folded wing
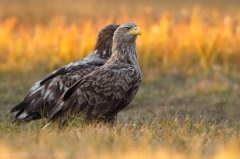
99,95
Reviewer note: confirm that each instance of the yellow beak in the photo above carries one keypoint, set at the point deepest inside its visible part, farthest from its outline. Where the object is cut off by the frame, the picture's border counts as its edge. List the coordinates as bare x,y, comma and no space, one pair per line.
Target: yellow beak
135,31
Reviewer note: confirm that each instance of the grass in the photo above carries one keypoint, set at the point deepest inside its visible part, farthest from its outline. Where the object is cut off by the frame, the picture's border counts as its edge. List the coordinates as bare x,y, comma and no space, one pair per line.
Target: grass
175,116
187,105
138,138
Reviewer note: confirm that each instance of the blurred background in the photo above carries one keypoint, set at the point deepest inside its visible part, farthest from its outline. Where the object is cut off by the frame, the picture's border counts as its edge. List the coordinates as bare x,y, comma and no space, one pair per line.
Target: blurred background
189,52
188,105
75,9
176,33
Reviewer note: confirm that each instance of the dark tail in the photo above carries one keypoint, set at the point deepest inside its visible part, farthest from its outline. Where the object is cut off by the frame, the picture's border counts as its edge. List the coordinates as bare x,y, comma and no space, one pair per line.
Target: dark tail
22,115
19,107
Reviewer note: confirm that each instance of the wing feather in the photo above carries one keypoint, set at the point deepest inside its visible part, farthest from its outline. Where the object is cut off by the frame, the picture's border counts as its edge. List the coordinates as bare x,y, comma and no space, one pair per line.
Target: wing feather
44,95
102,97
58,72
47,92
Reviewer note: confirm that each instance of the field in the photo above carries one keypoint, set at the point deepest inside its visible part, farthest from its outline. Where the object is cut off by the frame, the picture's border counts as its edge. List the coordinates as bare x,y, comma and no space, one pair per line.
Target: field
188,103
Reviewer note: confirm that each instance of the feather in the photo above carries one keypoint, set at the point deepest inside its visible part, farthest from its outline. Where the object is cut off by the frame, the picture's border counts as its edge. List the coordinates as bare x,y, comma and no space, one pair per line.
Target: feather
107,90
19,107
45,94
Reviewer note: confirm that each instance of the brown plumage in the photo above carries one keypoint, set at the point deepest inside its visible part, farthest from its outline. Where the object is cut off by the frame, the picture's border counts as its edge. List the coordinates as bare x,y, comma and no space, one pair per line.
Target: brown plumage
104,92
45,94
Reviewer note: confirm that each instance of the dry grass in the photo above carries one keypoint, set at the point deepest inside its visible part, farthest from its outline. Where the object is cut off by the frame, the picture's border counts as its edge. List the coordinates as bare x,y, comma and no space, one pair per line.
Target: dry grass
178,113
138,138
174,117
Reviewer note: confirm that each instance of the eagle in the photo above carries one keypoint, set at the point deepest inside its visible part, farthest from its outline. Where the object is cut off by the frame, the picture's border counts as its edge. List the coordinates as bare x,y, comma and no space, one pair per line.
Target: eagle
46,93
101,94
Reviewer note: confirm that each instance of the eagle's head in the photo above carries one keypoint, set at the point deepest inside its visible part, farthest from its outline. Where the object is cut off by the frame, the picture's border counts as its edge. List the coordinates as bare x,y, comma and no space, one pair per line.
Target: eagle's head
127,32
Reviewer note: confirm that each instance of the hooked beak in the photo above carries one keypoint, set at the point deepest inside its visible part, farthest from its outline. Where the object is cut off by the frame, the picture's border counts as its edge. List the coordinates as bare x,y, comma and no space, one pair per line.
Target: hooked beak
135,31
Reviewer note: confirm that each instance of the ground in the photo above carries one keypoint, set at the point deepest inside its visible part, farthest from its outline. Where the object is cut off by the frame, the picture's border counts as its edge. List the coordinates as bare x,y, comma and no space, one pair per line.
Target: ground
175,116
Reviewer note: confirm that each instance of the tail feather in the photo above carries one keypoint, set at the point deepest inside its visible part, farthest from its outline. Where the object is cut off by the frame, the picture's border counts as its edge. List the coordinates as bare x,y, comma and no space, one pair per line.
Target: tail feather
20,116
19,107
32,116
25,117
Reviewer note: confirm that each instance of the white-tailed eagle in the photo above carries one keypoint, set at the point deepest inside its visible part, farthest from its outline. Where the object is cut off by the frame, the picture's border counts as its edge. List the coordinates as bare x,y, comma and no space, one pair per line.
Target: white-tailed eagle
101,94
45,94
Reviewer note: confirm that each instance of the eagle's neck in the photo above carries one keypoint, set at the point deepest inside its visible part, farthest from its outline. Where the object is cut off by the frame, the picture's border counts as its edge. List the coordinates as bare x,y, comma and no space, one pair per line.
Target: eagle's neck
125,52
103,51
103,47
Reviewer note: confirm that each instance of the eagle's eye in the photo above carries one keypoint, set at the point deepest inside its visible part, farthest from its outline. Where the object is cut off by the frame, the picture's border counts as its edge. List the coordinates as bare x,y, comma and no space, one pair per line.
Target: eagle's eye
127,28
